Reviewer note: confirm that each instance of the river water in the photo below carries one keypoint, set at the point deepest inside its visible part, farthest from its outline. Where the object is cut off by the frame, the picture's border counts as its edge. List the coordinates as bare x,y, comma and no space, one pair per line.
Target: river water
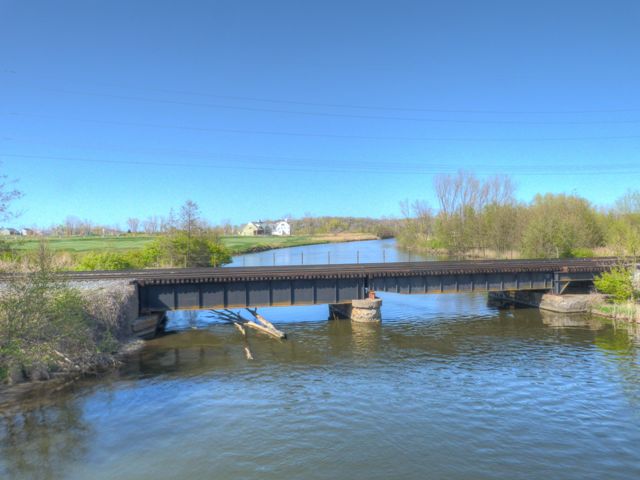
447,387
367,251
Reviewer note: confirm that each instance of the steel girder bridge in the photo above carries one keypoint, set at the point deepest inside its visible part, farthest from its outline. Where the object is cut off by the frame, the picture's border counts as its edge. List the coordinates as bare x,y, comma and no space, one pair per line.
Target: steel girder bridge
239,287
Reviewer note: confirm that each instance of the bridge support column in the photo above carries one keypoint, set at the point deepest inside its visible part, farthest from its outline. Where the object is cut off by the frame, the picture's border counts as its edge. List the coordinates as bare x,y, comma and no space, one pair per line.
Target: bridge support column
568,303
363,311
146,326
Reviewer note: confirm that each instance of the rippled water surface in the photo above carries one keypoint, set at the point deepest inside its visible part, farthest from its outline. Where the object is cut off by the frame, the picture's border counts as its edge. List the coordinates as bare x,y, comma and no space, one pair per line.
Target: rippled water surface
447,387
367,251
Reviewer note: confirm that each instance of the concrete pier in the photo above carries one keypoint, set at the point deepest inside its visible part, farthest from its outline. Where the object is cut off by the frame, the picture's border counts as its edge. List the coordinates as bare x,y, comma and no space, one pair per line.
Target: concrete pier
362,311
568,303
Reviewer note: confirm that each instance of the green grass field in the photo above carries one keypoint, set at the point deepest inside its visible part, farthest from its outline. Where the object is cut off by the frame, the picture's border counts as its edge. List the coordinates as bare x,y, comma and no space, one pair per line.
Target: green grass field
135,242
248,244
86,244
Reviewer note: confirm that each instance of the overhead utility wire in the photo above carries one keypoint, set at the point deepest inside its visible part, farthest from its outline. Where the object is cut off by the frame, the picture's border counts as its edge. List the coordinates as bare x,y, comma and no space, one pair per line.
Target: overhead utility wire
395,162
347,115
402,109
319,135
315,169
346,105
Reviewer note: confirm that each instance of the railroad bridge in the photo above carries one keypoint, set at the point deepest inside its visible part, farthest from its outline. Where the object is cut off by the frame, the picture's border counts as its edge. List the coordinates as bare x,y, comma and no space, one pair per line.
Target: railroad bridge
338,285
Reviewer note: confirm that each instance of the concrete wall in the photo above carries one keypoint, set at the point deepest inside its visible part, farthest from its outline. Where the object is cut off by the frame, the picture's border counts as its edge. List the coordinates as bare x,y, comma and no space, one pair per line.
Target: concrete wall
568,303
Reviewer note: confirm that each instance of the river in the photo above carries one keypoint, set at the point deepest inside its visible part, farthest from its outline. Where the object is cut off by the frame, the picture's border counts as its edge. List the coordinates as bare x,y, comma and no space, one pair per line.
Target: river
367,251
447,387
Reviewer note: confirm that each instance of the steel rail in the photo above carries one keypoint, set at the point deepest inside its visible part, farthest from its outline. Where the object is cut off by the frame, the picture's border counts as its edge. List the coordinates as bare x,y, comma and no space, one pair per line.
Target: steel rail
460,267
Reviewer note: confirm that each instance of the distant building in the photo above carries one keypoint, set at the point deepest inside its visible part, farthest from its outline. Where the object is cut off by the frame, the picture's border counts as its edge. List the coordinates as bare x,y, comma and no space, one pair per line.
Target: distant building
254,228
27,232
281,228
9,231
249,230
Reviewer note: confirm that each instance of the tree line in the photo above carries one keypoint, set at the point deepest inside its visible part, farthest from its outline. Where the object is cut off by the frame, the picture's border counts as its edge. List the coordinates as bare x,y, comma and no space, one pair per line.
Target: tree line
188,241
482,218
312,225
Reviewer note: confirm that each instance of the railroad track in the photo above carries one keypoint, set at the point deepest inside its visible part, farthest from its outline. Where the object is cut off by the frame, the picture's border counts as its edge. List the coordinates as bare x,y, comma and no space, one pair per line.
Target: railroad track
226,274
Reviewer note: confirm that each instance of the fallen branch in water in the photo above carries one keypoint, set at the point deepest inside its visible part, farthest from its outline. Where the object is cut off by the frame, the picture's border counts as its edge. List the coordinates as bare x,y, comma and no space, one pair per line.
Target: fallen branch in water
248,353
230,317
265,326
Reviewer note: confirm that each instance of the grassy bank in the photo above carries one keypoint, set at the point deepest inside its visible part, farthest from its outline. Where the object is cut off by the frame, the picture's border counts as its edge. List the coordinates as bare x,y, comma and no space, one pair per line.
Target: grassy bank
50,330
127,243
628,311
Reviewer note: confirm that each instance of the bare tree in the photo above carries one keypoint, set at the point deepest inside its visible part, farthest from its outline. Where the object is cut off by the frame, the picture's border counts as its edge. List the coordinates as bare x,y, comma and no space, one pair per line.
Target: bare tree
151,225
168,223
133,223
227,228
72,225
7,195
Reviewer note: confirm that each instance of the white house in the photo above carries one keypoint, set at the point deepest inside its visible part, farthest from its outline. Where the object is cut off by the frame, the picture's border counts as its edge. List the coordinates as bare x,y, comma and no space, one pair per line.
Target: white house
281,228
256,228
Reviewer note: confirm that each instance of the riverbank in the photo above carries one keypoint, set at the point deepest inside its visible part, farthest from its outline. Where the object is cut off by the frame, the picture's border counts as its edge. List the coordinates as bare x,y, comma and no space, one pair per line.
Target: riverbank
239,245
28,392
128,243
143,251
628,311
52,331
425,248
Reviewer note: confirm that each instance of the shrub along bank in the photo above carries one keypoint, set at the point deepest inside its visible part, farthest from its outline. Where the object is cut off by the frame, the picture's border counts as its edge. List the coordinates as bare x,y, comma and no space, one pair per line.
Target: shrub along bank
49,329
621,301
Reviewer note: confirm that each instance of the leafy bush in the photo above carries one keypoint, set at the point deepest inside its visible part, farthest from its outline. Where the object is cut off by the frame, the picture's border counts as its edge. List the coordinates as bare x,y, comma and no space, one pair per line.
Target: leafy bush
42,323
582,253
557,225
618,283
108,261
46,326
181,250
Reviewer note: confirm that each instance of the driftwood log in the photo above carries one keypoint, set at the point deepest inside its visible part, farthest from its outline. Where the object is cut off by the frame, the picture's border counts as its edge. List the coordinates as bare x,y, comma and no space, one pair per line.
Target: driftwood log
241,323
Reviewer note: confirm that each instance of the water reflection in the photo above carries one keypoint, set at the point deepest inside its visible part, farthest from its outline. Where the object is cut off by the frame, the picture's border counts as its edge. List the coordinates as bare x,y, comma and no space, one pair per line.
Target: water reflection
41,442
445,386
571,320
366,339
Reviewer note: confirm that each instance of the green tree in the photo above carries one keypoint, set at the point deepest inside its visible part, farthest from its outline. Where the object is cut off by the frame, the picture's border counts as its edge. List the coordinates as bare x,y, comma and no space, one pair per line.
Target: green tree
558,224
618,283
623,236
42,323
202,249
190,225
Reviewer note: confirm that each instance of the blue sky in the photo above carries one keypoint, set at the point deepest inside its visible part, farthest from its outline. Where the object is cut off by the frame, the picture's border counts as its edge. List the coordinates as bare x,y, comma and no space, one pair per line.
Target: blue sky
255,109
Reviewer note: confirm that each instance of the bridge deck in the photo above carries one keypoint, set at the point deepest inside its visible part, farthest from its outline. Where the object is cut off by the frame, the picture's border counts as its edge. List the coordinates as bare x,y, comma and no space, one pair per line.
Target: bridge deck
462,267
170,289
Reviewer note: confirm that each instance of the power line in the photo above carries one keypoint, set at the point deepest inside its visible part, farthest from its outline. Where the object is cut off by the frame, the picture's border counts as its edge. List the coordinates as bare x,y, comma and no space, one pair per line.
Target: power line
348,115
316,169
403,109
322,135
349,105
357,163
